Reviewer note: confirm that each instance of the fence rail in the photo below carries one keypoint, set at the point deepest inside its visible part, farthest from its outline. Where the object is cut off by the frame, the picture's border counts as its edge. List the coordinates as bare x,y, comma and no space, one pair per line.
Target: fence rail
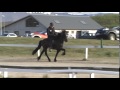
67,46
71,72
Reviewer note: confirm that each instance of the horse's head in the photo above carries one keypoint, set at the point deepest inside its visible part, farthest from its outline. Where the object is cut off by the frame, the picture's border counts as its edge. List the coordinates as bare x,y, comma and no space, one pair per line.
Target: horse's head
64,35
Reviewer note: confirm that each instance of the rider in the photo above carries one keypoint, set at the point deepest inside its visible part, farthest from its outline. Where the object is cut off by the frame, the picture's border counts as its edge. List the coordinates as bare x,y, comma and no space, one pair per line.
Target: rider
51,33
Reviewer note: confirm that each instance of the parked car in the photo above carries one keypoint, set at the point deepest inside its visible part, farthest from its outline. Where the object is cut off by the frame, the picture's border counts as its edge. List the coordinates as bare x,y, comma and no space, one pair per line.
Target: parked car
70,36
42,34
105,33
9,35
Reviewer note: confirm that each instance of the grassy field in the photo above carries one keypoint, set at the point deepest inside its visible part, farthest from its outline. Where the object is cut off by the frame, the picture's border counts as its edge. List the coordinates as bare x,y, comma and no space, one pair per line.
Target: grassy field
22,40
71,53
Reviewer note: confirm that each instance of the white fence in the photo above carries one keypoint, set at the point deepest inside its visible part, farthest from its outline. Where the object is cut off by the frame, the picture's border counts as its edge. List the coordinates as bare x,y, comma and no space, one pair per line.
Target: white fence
71,72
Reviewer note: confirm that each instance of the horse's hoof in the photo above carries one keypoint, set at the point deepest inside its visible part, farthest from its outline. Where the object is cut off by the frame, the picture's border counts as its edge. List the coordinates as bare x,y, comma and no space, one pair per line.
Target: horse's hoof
63,53
38,58
55,60
32,53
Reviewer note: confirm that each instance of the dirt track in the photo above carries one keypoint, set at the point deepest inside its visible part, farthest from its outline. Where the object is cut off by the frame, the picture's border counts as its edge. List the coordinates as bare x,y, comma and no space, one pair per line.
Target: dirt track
62,62
75,62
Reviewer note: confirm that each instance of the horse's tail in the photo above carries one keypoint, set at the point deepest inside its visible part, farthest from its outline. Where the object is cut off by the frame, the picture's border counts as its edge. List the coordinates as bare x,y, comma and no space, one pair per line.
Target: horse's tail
39,46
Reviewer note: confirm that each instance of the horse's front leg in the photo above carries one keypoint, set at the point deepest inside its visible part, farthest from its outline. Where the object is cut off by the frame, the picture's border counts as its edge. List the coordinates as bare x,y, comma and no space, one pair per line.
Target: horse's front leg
47,55
56,55
64,51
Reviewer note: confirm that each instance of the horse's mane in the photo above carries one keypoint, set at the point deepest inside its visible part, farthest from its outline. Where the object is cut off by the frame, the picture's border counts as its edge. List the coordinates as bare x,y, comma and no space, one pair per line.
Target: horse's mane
58,36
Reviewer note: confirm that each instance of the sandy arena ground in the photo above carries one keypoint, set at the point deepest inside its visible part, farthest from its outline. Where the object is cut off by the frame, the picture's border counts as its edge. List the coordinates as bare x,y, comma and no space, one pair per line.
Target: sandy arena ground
62,62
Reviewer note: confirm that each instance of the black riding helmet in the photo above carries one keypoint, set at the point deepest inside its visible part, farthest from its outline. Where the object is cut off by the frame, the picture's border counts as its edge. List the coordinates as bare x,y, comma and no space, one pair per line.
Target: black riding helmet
51,24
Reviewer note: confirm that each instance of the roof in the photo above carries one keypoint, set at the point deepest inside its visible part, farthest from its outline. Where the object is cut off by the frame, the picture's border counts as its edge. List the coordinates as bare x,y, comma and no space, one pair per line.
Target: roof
66,22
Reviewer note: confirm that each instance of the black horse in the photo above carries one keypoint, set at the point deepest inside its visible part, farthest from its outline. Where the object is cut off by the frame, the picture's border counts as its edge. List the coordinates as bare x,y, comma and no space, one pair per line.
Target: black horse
57,45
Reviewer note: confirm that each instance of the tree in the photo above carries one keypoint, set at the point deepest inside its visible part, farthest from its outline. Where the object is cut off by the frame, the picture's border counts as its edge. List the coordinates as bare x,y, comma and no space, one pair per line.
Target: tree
107,20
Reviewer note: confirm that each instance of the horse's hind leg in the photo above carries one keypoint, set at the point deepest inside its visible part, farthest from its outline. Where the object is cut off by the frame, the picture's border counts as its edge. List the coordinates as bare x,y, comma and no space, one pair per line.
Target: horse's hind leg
47,55
38,58
36,49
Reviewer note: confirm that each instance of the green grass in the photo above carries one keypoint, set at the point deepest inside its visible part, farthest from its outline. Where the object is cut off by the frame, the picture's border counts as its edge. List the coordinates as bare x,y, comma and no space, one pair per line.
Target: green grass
71,53
19,40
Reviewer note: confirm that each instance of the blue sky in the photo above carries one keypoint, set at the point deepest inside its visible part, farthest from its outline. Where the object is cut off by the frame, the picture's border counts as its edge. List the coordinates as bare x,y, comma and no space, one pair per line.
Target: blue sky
91,12
81,12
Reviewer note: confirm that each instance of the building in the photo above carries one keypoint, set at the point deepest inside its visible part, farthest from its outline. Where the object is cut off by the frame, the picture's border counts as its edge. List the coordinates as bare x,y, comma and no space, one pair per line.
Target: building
77,26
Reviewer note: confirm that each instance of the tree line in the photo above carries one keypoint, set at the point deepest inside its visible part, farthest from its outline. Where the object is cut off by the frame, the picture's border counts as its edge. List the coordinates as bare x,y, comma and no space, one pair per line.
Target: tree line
107,20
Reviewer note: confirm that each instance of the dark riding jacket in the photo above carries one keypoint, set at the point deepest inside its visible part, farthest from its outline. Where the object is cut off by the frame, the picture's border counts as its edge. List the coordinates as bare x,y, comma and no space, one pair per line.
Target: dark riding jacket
50,31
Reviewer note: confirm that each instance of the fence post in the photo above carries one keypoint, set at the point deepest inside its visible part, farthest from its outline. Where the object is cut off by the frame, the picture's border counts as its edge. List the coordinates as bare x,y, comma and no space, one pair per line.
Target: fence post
86,53
38,52
0,72
72,75
92,75
101,43
5,74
